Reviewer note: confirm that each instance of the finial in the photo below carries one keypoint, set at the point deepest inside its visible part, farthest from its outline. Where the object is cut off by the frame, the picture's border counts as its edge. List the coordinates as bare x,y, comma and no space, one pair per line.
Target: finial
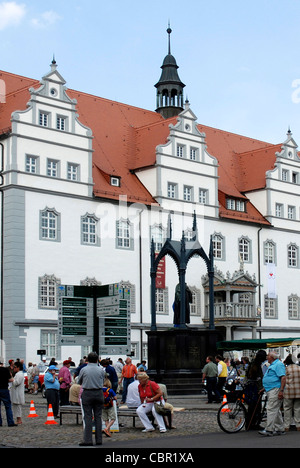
53,63
169,30
289,131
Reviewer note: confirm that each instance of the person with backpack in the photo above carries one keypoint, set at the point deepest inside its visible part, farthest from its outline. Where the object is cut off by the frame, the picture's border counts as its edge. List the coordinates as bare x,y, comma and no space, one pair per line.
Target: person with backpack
108,412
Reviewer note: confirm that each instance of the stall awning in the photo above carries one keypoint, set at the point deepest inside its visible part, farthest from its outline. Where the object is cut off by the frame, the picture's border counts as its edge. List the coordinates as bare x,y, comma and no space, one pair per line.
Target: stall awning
239,345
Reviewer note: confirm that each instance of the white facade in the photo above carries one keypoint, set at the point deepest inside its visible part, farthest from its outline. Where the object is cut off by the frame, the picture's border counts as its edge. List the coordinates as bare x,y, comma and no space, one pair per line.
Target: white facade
57,232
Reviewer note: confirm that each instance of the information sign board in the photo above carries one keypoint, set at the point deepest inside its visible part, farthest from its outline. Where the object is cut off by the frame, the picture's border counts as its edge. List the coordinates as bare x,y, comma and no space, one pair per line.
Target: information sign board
97,316
75,318
115,330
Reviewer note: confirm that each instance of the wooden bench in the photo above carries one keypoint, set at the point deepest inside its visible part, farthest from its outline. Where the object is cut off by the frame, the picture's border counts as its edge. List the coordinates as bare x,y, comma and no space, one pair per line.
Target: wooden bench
69,409
131,413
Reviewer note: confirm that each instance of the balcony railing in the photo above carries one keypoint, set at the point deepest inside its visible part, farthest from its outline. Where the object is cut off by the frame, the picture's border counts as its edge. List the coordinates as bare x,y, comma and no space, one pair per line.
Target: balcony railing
233,310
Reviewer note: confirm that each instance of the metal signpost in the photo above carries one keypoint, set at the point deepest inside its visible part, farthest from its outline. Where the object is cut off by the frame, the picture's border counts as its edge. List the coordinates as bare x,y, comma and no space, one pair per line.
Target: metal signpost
97,316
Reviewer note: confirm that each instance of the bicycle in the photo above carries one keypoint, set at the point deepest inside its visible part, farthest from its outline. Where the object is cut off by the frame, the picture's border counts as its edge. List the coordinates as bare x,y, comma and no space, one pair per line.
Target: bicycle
232,415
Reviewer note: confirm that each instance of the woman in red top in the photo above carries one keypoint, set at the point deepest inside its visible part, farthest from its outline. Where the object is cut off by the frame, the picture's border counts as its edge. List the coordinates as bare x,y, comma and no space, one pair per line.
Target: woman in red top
149,392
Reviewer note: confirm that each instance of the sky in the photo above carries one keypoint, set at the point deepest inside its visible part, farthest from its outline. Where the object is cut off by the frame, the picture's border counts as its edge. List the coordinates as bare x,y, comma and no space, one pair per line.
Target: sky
239,60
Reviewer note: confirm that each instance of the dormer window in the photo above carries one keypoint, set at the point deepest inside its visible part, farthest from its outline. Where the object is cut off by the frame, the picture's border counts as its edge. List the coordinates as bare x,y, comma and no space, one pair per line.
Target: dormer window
115,181
235,204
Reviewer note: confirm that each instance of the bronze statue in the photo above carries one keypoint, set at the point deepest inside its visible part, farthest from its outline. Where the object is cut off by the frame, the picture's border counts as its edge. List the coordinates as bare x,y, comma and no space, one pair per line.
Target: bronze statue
176,305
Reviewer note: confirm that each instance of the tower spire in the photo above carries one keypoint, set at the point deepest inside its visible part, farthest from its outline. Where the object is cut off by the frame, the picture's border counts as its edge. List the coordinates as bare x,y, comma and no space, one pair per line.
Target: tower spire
169,95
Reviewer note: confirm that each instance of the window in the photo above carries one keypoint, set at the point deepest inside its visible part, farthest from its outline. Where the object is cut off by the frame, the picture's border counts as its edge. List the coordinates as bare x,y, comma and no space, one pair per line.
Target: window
157,234
52,168
115,181
203,196
233,204
49,225
180,151
31,164
279,210
193,154
218,247
187,193
61,123
48,292
73,171
285,175
295,177
270,308
172,190
293,260
89,227
269,252
291,212
44,119
49,342
195,304
161,301
240,205
293,307
245,249
124,239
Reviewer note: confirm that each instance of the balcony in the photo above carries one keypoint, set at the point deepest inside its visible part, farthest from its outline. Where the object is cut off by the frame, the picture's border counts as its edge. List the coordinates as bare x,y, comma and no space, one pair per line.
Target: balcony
228,311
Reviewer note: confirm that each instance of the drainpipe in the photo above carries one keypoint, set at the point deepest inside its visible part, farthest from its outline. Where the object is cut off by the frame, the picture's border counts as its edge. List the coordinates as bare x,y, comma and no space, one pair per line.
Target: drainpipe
2,232
141,281
259,276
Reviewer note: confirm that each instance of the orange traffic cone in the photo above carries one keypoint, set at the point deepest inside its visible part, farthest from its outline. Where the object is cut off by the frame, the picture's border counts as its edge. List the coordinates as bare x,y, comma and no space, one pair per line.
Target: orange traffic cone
32,412
50,416
225,408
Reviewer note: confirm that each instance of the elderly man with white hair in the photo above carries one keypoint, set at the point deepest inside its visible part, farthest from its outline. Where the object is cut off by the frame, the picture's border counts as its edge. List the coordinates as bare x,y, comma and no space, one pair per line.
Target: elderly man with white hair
274,382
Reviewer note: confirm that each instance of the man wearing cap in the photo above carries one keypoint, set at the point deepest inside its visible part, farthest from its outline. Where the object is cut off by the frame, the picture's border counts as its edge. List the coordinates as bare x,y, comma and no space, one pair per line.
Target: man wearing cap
52,389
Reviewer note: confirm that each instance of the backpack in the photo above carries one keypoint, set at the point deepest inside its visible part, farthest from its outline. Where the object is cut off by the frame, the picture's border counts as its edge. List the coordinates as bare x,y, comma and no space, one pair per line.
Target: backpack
108,400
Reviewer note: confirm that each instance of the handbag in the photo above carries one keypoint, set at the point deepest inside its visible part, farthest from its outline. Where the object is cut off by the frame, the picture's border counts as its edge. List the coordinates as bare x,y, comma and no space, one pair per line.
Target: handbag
158,405
160,409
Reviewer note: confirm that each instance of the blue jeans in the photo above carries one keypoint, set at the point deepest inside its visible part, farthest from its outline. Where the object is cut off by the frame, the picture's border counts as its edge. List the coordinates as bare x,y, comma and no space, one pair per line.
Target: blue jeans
5,398
126,382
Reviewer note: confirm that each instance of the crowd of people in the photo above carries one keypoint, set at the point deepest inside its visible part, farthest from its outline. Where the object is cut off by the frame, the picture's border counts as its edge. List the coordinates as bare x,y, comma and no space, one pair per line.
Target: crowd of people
95,383
280,380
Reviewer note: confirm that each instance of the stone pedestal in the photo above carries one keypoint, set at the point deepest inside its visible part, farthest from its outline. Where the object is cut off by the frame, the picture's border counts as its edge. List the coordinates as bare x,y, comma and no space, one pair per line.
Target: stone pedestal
176,357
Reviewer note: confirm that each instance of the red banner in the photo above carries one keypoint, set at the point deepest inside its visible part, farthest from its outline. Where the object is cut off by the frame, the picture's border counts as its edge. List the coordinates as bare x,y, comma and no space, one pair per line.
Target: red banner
161,274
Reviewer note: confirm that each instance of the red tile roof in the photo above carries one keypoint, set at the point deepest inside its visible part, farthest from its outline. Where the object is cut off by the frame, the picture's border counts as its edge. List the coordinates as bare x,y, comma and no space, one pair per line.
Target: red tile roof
125,139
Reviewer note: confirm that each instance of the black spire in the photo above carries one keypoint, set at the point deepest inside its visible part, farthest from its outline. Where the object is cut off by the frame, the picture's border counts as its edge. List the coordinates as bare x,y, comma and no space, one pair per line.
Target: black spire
169,95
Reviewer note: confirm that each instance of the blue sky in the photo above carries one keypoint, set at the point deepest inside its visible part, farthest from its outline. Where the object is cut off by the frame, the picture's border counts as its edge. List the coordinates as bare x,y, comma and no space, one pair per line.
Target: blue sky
240,60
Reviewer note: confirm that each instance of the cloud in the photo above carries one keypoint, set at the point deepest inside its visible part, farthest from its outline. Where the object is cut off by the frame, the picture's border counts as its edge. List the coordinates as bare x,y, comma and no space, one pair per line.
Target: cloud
48,18
11,14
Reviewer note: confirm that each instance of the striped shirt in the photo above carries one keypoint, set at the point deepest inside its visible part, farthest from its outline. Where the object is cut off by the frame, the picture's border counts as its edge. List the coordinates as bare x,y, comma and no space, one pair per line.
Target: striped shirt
129,371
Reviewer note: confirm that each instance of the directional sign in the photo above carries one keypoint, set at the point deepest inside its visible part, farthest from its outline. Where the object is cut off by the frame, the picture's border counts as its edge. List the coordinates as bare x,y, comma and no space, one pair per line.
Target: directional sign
75,319
107,306
115,330
97,316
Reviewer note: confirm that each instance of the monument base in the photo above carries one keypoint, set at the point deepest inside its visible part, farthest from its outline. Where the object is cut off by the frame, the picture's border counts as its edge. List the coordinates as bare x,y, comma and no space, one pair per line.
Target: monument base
177,356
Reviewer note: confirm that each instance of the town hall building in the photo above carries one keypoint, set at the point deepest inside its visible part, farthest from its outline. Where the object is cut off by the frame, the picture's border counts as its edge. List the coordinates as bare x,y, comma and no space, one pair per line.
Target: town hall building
86,185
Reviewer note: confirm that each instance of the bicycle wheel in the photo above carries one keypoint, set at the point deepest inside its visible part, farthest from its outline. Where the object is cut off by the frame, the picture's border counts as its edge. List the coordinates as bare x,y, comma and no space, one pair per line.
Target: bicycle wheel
232,417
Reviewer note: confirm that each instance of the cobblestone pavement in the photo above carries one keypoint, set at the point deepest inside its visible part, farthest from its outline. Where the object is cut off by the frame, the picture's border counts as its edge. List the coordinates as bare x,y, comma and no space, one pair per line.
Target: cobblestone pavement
197,418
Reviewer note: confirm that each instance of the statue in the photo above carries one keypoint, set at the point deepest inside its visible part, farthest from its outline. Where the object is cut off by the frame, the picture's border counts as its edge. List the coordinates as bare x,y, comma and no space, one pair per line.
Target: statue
176,305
